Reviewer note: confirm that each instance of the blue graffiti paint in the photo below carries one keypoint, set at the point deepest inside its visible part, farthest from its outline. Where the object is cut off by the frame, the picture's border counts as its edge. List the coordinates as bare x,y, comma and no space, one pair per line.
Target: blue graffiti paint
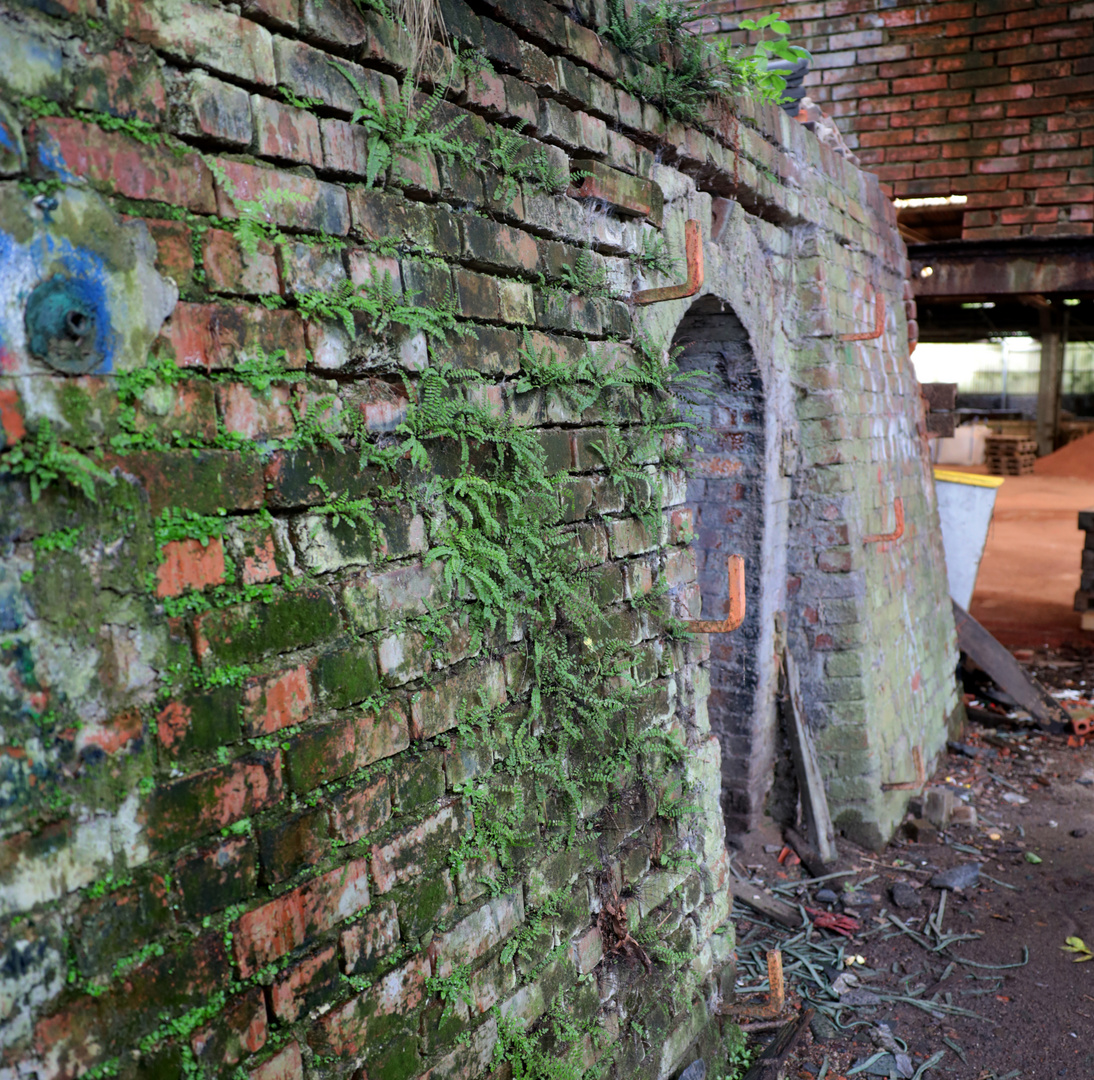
51,159
7,140
87,276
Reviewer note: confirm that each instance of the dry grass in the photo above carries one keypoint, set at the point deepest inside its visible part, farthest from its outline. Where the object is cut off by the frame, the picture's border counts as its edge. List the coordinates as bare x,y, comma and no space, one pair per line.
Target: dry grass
423,23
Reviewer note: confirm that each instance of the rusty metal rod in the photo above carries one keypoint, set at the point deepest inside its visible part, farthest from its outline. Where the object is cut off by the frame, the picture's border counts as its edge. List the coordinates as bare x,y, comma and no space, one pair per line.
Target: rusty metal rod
693,246
736,569
920,775
879,321
897,533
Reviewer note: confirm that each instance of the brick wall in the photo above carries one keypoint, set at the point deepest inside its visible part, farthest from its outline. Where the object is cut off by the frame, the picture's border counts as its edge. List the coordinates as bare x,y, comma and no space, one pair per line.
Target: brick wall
993,99
280,778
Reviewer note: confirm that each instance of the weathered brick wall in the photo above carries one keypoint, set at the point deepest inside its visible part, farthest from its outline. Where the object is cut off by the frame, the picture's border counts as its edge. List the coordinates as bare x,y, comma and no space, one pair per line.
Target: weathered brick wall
280,779
993,99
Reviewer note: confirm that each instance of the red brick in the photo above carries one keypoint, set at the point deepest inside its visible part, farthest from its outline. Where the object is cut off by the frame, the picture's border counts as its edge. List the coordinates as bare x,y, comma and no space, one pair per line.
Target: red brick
1054,69
1064,195
228,269
217,336
286,133
302,202
239,1030
303,985
187,564
370,1017
1009,39
941,168
1027,215
345,146
995,198
287,1064
271,702
118,163
190,807
269,932
1017,163
1037,17
174,251
1045,178
259,560
1037,107
1000,128
1062,159
254,414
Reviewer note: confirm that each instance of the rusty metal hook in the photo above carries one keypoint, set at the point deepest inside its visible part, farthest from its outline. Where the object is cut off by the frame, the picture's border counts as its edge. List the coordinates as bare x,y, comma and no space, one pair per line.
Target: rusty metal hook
693,246
736,614
920,775
879,321
897,533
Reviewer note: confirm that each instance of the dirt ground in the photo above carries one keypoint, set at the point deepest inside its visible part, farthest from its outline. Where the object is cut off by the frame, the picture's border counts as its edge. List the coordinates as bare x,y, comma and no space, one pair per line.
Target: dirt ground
1034,842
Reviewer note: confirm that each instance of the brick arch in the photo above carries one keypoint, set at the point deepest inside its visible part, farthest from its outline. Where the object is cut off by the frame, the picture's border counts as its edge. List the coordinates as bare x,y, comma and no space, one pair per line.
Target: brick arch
727,494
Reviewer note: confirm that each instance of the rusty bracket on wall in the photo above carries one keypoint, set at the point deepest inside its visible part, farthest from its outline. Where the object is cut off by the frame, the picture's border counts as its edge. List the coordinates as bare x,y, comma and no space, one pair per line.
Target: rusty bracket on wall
693,246
736,614
897,533
920,775
879,321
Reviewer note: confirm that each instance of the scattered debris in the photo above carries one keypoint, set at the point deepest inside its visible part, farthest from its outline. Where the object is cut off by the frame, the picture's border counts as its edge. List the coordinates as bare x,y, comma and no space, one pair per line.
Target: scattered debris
1080,947
958,877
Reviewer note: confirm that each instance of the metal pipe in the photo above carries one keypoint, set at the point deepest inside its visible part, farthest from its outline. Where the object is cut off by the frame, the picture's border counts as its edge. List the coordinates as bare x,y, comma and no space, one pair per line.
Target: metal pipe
693,247
736,614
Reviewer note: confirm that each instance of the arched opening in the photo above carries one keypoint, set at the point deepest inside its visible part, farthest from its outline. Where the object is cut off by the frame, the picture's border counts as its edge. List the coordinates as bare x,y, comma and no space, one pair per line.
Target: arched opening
726,492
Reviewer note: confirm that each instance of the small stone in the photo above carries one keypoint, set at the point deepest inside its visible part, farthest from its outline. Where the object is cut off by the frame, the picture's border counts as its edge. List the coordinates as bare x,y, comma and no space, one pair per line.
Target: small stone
697,1070
920,831
861,997
823,1029
826,896
964,815
857,899
904,896
1078,833
939,806
957,877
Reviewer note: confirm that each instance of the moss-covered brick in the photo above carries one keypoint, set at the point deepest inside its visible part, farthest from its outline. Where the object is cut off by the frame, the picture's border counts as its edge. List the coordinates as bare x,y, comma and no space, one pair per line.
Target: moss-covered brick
437,709
417,783
374,600
240,1029
478,933
400,1059
488,245
376,1016
419,849
403,657
288,474
119,923
217,877
371,939
201,480
194,805
327,752
199,721
305,984
312,204
268,932
287,847
89,1030
247,632
346,673
360,810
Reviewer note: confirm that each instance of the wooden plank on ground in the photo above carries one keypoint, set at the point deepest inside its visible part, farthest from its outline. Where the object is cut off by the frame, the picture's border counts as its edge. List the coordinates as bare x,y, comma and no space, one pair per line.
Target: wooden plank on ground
984,651
767,904
810,781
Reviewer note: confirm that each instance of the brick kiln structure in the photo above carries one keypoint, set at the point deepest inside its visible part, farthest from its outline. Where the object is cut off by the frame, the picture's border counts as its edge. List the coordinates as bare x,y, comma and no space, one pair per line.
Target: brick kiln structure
283,791
993,99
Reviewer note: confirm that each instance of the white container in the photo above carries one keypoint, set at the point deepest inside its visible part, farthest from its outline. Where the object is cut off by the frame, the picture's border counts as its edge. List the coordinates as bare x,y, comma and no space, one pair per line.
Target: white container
965,505
966,447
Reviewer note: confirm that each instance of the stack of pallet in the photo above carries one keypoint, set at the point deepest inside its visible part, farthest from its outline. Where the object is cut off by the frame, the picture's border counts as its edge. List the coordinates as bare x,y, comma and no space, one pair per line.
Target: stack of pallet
1084,598
1009,455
